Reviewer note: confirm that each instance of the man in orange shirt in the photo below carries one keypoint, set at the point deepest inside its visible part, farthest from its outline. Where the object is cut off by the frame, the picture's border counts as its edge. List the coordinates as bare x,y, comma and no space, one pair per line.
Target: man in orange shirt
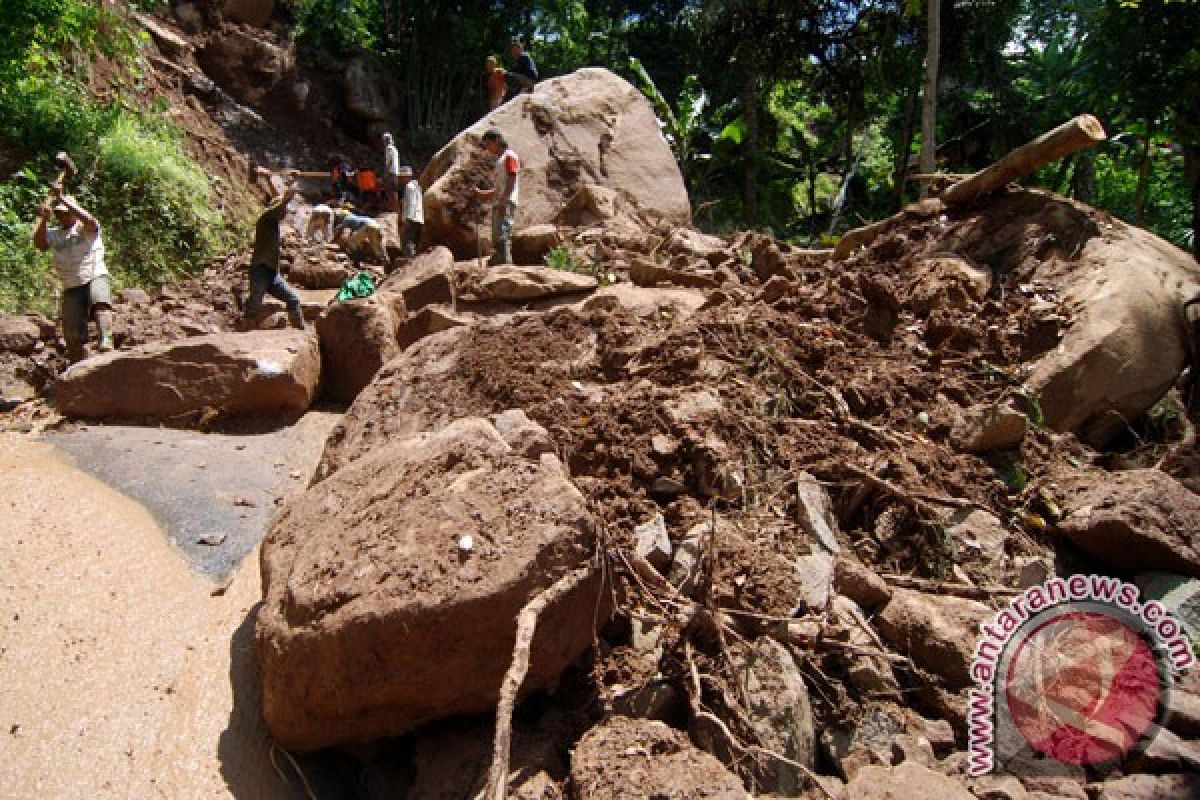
497,81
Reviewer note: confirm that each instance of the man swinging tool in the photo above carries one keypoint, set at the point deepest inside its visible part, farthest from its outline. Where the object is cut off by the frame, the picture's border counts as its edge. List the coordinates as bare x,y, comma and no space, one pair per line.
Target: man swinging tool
78,257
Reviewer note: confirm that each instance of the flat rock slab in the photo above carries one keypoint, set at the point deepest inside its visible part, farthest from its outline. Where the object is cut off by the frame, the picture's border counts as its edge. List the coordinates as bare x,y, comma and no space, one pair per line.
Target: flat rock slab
211,486
377,618
508,283
262,372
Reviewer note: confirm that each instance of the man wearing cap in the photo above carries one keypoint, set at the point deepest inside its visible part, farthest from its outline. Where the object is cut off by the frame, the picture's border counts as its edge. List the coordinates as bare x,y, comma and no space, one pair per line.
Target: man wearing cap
413,213
503,194
391,171
78,253
264,264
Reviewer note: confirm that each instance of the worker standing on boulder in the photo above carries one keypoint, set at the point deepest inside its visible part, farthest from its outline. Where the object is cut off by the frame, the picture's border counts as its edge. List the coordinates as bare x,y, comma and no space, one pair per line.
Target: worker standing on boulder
391,171
264,264
78,252
523,74
496,79
413,215
503,194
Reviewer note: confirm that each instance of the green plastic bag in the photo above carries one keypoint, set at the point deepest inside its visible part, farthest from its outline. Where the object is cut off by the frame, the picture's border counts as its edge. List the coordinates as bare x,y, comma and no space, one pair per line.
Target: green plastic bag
361,285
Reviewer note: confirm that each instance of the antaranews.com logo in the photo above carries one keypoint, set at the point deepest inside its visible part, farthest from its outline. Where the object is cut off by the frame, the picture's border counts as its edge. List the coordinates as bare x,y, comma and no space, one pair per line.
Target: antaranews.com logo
1076,669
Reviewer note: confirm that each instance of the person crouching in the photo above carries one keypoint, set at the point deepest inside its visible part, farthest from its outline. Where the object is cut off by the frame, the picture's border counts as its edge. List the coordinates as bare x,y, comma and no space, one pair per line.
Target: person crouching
354,231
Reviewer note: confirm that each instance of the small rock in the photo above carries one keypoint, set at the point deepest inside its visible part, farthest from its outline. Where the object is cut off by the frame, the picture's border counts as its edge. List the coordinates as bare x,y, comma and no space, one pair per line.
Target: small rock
668,486
212,539
655,700
992,427
860,583
653,543
686,565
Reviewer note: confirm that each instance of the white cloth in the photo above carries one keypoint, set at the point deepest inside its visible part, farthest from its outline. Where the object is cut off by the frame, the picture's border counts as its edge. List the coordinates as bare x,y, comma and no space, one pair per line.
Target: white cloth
391,160
502,176
414,204
78,254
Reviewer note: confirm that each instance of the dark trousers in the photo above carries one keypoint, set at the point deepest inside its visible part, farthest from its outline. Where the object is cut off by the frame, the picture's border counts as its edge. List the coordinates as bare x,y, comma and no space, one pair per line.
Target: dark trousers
264,280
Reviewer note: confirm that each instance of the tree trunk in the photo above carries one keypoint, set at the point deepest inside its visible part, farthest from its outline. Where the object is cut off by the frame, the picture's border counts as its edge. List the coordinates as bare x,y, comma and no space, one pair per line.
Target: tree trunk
933,34
1070,137
900,172
1083,180
1143,175
1191,170
750,109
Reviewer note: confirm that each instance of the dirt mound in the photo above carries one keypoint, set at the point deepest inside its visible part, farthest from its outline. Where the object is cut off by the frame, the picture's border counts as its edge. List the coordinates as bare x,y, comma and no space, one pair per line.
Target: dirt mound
874,375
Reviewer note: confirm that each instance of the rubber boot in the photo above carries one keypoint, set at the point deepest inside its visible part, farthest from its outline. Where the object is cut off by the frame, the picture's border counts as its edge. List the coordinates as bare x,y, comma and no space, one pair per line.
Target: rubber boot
104,321
296,318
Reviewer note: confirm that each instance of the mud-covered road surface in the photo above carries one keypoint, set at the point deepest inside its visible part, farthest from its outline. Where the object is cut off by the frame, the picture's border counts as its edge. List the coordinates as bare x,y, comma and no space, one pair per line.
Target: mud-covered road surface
125,670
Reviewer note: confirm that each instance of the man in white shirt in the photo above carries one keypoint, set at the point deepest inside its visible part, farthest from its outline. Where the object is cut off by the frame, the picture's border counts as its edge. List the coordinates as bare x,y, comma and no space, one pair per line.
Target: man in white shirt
413,214
78,253
503,194
391,172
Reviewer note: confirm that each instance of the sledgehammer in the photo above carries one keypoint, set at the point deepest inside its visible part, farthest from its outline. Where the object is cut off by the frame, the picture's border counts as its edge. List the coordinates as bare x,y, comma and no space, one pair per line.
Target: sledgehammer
66,169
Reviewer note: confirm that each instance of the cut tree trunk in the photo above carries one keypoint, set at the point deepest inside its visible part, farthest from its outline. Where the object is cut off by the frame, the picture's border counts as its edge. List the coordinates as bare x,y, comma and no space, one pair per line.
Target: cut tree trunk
929,107
1080,133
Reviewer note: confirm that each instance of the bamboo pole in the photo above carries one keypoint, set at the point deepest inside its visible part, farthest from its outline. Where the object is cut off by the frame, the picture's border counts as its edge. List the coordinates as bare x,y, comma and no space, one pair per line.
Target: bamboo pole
1077,134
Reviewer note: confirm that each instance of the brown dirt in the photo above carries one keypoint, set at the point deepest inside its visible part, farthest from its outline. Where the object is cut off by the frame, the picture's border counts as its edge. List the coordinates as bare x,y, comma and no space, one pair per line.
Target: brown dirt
123,676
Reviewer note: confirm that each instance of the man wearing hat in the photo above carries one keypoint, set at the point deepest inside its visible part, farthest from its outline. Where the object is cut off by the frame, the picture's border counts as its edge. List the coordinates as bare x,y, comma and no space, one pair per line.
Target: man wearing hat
78,252
413,214
503,194
391,172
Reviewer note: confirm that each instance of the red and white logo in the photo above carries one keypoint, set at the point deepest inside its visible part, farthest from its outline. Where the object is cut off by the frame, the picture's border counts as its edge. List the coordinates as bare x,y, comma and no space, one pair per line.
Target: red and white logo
1076,670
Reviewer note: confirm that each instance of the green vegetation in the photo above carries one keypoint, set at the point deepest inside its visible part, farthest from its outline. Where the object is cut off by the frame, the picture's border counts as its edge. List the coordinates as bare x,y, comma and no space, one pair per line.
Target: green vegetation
562,258
154,203
800,119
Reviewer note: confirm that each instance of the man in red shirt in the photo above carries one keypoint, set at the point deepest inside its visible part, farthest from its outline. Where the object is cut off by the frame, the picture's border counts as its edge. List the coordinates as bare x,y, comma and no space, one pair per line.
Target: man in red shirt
503,194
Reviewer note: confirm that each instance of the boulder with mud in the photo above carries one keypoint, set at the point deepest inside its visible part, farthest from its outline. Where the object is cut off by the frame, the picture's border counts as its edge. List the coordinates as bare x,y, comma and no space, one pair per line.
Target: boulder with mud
358,337
1116,343
588,127
642,758
392,588
263,372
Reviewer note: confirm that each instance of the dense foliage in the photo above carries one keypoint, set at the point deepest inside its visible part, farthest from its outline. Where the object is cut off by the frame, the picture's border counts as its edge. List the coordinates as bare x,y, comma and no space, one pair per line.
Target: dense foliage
802,117
153,202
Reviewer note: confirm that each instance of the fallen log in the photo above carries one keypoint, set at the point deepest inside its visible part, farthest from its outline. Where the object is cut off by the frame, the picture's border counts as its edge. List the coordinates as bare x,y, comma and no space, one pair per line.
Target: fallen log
1078,134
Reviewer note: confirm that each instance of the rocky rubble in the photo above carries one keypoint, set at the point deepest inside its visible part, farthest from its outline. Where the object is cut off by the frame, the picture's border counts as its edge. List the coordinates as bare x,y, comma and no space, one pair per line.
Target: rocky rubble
796,479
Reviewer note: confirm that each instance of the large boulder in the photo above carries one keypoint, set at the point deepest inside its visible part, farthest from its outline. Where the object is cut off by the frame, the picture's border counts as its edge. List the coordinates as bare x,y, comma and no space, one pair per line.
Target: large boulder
588,127
406,397
625,757
358,337
1127,346
1134,521
426,280
247,66
361,91
263,372
378,617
